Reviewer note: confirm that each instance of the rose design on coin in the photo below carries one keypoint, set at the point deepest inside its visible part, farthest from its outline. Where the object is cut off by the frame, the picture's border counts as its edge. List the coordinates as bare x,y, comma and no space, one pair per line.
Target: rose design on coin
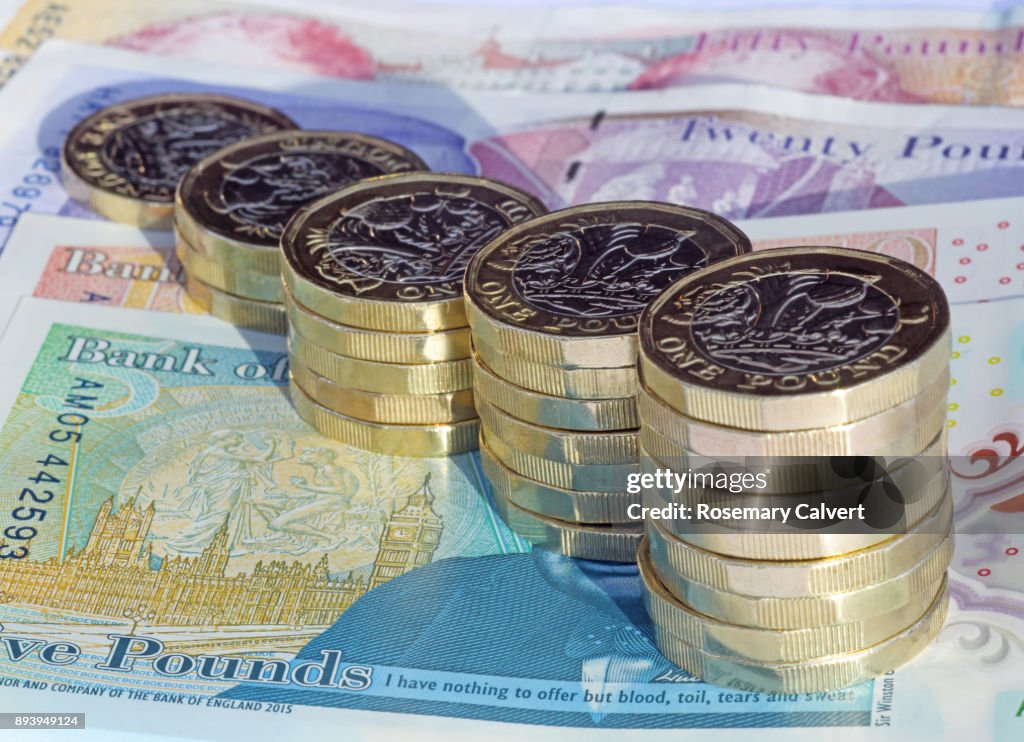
414,238
604,270
794,323
260,194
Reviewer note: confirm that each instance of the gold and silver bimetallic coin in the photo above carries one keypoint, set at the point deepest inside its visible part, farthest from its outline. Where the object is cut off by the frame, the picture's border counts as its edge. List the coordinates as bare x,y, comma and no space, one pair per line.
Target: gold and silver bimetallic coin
124,161
389,254
232,206
565,290
795,338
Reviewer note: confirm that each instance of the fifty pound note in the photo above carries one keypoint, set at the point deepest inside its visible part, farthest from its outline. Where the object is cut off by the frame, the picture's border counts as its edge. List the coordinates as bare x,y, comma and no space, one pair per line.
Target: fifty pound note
172,531
895,56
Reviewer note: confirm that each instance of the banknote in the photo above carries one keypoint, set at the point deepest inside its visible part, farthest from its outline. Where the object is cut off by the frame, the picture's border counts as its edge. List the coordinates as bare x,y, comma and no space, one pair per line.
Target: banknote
92,262
869,56
173,534
741,151
181,555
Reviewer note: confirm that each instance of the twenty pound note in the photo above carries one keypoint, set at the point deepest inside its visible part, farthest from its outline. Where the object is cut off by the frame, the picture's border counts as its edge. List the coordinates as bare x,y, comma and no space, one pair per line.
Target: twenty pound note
743,152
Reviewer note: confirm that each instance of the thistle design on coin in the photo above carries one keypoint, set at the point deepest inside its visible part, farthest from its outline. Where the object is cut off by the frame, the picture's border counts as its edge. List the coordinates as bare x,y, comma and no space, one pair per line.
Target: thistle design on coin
746,343
390,253
139,149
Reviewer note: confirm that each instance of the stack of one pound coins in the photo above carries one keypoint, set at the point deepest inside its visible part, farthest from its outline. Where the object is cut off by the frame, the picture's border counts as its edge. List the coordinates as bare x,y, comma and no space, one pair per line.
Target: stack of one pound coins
377,330
232,206
553,305
124,161
811,384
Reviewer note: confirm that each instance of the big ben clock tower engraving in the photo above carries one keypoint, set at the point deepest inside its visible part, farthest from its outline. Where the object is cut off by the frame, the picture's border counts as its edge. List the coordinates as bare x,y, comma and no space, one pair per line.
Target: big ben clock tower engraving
410,537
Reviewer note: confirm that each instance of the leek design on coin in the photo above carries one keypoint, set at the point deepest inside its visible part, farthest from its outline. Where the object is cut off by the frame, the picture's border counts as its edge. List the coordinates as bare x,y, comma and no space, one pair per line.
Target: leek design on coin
567,289
125,160
234,204
795,338
390,254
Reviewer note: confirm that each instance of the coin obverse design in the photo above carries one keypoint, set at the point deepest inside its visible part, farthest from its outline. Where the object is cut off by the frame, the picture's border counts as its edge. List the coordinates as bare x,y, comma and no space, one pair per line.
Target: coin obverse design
125,160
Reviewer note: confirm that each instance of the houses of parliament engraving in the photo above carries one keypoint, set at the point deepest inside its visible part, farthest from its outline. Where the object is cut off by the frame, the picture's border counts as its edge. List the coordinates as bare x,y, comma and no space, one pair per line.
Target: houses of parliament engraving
113,574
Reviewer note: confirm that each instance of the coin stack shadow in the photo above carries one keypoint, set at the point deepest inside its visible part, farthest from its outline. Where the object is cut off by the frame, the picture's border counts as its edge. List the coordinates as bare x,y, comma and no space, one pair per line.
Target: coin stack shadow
553,305
230,209
825,371
378,339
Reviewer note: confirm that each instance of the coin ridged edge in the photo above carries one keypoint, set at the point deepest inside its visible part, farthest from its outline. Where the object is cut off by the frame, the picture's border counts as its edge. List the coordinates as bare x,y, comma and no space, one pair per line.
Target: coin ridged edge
255,286
785,645
582,477
383,378
572,447
550,411
916,421
393,440
250,313
554,502
809,611
799,412
822,674
598,543
796,546
771,578
577,383
372,345
388,409
550,350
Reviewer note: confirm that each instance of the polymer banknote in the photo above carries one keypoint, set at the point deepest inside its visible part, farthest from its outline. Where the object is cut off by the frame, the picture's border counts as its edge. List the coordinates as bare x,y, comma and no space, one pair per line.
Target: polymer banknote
174,534
743,152
894,55
175,537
